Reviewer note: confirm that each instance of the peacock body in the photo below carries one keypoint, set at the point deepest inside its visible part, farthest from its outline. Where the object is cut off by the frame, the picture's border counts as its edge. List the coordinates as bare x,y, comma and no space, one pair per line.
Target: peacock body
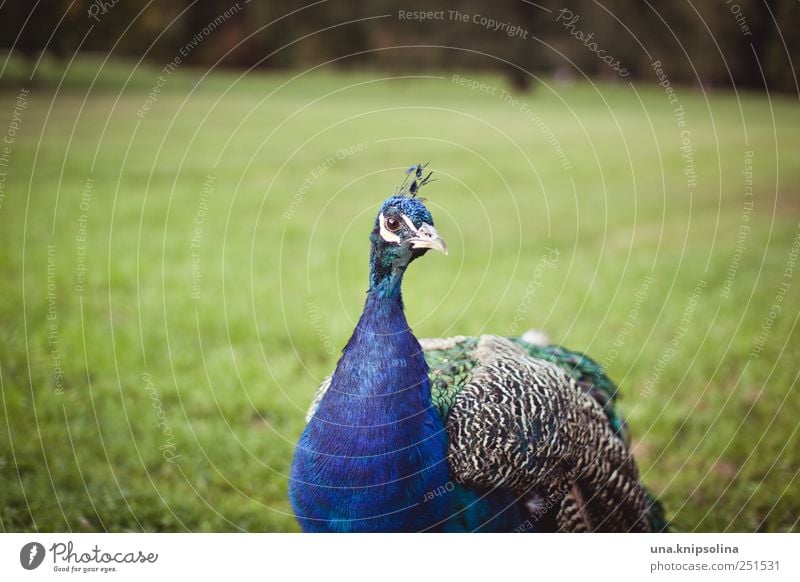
480,433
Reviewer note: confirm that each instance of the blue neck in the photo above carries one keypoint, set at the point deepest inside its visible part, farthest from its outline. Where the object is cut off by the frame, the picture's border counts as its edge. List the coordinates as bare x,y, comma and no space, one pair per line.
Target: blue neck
387,265
383,443
387,288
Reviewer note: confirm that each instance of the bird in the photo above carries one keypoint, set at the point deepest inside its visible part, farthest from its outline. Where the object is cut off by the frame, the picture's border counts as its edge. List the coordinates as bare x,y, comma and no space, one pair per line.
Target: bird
483,433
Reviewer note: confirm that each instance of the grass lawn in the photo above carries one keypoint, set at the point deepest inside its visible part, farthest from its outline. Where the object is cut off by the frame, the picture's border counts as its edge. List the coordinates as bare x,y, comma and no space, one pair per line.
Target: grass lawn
179,279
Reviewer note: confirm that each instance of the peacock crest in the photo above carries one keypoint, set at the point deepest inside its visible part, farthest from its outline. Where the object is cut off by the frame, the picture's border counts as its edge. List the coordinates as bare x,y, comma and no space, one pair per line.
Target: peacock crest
414,174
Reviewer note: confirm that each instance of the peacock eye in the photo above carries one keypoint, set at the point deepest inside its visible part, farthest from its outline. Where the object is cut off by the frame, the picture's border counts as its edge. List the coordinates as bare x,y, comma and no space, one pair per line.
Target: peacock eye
392,224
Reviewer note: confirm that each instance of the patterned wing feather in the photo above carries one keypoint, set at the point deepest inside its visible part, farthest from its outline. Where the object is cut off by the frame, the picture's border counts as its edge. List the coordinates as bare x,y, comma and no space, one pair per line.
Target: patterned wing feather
587,373
538,426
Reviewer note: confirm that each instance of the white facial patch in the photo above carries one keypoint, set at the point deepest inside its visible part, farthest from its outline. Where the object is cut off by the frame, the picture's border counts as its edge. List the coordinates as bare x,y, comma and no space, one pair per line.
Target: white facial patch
409,223
389,236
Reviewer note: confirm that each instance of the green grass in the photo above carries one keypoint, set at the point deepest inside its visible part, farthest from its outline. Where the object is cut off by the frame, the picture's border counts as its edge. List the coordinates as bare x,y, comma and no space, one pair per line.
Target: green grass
233,369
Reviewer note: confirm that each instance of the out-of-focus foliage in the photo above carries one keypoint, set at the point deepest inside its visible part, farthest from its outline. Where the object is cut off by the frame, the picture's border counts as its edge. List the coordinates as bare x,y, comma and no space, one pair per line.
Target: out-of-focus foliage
745,43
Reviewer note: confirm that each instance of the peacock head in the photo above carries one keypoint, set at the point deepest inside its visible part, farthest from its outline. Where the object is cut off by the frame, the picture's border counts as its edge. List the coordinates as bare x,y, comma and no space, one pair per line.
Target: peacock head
403,232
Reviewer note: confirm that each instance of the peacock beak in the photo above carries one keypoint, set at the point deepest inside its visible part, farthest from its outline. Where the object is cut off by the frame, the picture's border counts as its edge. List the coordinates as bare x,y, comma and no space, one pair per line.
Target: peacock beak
427,238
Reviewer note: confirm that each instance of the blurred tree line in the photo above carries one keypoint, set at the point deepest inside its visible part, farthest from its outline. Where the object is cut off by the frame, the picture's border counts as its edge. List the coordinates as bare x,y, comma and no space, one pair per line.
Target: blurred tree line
747,43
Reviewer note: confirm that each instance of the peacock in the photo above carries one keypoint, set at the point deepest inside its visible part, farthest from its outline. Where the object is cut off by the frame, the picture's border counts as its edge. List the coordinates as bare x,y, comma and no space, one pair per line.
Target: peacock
486,433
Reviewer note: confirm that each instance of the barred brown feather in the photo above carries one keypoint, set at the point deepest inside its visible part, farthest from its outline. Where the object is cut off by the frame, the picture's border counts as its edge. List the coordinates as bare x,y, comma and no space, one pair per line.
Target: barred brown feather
524,424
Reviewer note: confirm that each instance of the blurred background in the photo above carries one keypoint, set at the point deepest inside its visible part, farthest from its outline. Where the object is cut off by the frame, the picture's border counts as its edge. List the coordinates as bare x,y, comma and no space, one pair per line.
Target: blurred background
187,189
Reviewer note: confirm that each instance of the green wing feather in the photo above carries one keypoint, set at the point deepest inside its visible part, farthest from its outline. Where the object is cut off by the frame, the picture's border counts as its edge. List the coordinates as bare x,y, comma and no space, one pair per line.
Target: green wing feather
450,370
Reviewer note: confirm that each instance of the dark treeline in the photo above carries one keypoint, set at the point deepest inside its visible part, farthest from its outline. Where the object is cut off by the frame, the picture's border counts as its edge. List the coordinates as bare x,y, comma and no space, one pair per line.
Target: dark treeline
747,43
